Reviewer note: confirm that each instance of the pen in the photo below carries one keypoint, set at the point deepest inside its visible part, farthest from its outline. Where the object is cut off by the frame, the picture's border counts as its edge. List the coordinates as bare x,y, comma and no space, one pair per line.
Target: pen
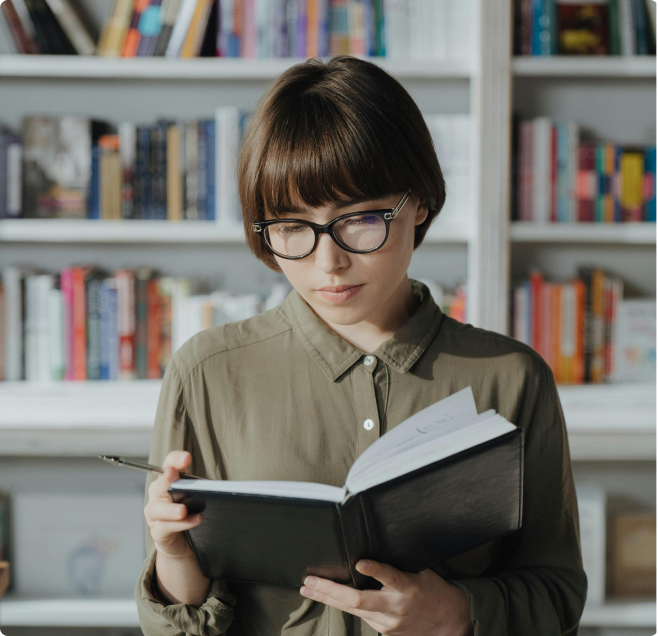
148,468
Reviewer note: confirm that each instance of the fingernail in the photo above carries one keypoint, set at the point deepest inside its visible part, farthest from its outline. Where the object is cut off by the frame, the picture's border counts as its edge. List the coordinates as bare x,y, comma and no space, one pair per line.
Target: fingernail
363,565
311,581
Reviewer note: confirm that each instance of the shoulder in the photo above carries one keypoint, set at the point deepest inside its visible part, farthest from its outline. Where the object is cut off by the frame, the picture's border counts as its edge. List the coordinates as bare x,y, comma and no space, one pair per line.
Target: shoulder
516,359
257,331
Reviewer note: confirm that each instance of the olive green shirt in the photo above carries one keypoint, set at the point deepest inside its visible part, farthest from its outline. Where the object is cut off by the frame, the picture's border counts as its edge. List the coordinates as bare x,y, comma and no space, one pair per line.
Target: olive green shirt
282,396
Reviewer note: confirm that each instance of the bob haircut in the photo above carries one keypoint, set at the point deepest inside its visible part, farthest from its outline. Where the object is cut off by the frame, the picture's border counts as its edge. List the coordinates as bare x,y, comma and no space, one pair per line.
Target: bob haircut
325,132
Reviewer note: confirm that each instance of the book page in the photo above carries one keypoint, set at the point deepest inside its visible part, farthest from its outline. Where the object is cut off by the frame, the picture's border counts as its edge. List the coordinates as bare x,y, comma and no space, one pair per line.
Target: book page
440,418
296,489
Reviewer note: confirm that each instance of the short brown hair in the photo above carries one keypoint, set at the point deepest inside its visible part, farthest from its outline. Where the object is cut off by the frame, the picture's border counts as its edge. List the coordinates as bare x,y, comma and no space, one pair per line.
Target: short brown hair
328,131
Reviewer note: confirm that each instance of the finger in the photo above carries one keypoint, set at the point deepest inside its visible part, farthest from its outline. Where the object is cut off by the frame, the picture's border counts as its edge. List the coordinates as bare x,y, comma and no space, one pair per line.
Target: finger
159,488
177,459
384,573
367,601
354,608
161,530
161,510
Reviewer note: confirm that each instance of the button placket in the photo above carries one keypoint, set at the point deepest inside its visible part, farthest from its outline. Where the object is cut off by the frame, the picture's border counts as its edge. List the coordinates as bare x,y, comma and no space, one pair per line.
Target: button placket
366,399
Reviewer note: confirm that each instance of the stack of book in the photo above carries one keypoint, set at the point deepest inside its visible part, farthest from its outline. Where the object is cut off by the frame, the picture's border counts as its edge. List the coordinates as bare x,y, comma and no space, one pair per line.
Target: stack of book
568,27
584,329
88,323
436,30
77,167
48,27
558,177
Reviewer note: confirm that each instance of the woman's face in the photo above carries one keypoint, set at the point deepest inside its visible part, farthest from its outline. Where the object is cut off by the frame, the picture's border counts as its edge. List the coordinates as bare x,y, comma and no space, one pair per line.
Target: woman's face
378,274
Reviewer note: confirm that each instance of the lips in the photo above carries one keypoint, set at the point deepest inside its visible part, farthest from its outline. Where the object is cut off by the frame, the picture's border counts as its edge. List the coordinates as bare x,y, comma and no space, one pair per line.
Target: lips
335,290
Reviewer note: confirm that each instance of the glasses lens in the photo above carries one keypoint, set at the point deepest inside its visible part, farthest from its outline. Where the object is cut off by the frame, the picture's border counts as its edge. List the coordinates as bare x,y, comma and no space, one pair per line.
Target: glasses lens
363,232
289,239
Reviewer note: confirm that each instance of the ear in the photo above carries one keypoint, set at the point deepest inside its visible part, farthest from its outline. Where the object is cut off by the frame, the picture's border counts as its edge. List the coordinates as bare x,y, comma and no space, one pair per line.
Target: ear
421,212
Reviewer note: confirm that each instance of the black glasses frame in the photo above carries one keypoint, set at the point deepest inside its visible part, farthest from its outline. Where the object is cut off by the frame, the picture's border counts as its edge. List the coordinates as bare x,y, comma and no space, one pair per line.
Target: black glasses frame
387,214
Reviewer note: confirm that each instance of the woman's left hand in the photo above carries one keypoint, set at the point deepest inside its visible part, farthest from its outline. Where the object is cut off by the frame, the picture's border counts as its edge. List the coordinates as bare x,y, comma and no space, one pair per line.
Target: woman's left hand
422,604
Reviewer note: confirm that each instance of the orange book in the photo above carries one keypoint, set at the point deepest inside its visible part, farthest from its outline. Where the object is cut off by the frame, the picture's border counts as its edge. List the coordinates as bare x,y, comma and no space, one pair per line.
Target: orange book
598,333
547,323
153,333
579,371
312,28
79,324
131,43
536,280
557,321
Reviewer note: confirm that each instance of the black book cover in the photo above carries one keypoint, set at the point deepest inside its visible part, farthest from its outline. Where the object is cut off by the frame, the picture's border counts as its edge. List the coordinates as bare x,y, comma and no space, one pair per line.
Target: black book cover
412,522
585,273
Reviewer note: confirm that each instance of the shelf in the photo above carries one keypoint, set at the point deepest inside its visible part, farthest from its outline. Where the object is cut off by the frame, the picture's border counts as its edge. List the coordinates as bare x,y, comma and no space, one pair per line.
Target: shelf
100,612
585,66
160,68
210,232
621,233
123,613
88,418
620,614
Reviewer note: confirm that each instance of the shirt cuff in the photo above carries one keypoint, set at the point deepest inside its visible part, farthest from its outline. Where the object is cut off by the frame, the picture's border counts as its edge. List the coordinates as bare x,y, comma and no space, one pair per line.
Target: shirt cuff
212,618
487,605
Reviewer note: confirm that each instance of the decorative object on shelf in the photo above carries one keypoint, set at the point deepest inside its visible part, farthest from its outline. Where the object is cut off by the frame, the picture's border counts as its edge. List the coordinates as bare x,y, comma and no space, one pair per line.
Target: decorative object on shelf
559,178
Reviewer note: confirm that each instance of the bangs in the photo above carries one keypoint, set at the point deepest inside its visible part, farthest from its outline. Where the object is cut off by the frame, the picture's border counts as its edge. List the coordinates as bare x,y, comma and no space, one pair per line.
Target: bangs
321,157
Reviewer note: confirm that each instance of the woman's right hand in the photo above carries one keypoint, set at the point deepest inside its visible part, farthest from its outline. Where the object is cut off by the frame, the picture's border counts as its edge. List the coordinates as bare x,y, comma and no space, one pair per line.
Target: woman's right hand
167,519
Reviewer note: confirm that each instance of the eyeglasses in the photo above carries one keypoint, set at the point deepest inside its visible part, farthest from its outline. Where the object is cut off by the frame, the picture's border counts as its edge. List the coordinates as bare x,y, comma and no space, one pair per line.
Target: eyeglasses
356,232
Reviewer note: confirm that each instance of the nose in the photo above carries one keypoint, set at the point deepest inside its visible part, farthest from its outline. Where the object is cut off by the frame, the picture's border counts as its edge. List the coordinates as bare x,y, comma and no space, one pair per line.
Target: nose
329,256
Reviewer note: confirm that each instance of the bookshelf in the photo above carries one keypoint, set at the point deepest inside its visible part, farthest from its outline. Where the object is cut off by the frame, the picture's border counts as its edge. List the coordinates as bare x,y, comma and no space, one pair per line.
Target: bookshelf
611,428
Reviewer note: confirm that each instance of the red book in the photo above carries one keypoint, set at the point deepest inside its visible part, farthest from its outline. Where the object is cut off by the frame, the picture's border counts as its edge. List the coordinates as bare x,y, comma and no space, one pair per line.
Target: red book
153,334
586,182
579,370
23,41
67,321
79,323
125,280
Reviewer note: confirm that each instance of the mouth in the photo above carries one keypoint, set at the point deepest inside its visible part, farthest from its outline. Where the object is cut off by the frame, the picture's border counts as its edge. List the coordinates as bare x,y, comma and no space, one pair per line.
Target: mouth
337,289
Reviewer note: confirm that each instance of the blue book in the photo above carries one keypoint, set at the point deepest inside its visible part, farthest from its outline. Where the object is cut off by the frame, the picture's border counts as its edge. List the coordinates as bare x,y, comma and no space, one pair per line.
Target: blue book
641,33
94,190
650,176
109,331
536,26
210,169
105,332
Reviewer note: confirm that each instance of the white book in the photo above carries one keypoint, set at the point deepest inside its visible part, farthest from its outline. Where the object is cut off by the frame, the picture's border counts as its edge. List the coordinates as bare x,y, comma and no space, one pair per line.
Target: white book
227,123
180,290
636,342
626,27
44,286
181,25
13,335
592,521
541,177
73,27
31,308
56,343
14,179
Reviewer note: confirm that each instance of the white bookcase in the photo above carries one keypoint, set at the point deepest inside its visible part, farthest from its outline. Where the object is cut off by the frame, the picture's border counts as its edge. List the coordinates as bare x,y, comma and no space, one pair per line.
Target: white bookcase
50,434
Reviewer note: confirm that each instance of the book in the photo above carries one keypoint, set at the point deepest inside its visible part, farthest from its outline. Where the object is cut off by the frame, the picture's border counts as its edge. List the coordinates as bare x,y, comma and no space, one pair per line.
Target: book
633,554
115,29
468,465
72,26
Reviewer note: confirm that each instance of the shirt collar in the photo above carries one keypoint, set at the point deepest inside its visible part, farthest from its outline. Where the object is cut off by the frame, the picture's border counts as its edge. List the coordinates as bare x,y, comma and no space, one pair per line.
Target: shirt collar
335,355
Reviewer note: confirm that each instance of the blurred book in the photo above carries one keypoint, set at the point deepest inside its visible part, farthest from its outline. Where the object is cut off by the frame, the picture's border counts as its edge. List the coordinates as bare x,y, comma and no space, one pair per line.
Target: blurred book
574,27
633,554
592,521
560,178
637,340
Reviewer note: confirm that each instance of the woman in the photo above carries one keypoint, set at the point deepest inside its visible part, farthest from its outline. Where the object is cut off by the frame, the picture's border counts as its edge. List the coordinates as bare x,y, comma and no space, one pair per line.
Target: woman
299,391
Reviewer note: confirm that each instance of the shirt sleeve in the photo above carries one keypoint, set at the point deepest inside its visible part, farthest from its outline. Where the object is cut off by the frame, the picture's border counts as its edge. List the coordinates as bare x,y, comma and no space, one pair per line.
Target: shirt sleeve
173,430
539,586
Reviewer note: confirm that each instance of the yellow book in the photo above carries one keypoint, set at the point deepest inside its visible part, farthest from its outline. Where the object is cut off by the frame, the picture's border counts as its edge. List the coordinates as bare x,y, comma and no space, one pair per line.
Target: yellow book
632,172
174,177
194,36
115,28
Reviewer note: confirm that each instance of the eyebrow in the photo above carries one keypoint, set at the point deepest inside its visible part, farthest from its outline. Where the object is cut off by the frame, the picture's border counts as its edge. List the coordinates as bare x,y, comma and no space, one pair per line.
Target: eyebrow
344,204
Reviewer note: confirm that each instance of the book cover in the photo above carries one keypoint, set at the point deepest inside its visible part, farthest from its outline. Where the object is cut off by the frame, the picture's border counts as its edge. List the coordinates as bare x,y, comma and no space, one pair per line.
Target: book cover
181,26
631,167
149,28
115,28
154,332
79,322
586,182
649,195
93,282
125,283
73,27
583,28
57,166
133,35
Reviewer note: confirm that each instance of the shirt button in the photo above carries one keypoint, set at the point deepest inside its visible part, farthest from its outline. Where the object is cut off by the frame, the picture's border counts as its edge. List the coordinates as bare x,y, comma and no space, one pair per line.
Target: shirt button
368,360
368,424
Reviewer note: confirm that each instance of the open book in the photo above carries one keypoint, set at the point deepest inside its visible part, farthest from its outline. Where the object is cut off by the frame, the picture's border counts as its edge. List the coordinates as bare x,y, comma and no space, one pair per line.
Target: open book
440,483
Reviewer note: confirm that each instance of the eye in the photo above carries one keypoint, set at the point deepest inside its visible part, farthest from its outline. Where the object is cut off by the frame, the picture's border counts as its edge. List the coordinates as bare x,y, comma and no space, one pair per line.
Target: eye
287,228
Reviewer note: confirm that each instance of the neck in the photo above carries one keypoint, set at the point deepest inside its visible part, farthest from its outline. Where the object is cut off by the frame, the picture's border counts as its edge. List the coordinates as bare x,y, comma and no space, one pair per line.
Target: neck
383,323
